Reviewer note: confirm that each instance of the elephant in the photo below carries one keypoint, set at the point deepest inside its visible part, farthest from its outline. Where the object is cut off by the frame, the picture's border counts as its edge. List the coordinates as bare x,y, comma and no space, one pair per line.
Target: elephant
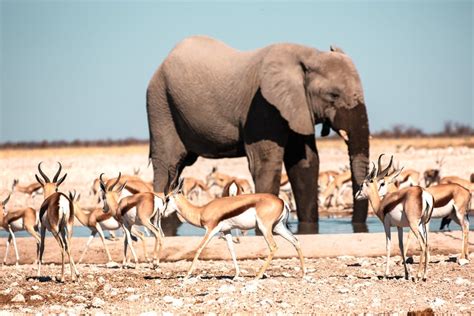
208,99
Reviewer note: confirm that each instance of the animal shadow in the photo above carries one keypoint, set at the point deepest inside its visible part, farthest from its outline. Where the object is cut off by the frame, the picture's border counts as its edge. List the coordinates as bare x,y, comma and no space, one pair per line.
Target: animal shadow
42,279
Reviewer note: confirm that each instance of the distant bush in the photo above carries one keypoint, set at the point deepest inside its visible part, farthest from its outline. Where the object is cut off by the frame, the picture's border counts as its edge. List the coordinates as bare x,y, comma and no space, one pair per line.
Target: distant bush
75,143
456,129
400,130
404,131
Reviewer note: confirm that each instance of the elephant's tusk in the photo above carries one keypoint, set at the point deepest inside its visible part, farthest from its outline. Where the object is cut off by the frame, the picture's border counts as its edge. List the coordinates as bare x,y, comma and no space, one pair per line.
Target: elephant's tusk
344,135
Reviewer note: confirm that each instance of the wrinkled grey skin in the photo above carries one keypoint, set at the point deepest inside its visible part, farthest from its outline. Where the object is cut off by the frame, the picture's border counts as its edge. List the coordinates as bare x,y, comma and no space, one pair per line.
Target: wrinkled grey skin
208,99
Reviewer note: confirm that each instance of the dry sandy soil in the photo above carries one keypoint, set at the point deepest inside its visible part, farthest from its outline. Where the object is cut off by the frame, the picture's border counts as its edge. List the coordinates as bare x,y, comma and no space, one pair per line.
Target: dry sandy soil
335,281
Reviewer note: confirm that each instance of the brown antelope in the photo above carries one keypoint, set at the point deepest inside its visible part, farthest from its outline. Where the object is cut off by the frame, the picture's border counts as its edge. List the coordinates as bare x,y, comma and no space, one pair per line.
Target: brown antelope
136,209
335,188
265,211
135,184
326,177
57,216
458,180
14,220
221,179
193,185
98,221
408,178
432,176
286,193
409,207
31,189
450,201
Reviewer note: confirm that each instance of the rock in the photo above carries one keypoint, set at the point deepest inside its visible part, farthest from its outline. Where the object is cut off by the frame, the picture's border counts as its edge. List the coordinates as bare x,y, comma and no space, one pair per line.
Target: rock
101,280
97,302
171,300
437,302
133,298
285,305
250,287
112,265
286,275
79,298
461,281
107,287
36,297
226,289
130,290
345,257
6,291
35,287
19,298
14,284
266,302
343,290
463,262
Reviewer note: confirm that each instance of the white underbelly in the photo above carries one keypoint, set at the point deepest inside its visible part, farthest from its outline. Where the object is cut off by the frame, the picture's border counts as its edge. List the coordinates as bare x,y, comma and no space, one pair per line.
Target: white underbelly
17,225
246,220
439,212
397,217
110,224
131,218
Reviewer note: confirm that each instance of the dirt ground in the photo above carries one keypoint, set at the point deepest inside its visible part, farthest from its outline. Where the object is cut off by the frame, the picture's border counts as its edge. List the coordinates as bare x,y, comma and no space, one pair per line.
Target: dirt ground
346,280
332,285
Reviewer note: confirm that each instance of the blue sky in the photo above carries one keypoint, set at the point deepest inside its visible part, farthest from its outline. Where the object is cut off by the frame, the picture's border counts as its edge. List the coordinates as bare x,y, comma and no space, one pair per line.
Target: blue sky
79,70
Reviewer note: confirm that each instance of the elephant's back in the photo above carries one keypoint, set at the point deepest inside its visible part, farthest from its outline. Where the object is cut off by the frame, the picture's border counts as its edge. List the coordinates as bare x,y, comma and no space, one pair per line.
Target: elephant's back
211,86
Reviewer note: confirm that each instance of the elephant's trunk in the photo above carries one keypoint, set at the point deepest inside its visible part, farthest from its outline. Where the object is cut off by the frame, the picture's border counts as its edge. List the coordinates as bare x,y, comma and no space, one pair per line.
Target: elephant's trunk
358,146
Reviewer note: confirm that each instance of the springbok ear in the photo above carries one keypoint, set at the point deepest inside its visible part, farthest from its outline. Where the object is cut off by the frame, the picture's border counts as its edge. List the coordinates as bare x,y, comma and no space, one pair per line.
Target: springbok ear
336,49
282,85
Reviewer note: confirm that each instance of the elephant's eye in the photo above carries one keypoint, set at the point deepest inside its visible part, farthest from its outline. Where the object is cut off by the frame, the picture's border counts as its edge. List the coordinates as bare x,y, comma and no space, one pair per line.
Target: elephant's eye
334,95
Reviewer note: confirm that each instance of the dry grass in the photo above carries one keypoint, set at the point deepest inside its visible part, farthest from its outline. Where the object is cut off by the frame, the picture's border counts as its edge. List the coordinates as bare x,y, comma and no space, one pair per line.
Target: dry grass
375,143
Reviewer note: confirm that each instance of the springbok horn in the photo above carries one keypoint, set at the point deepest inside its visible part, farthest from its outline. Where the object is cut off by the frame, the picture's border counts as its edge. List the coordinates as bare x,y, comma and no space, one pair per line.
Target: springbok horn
116,181
57,173
45,177
344,135
386,170
372,171
379,163
6,200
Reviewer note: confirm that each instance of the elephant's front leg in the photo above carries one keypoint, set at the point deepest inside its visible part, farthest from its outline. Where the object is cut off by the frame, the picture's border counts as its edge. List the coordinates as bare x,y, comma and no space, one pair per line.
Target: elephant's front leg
265,163
302,165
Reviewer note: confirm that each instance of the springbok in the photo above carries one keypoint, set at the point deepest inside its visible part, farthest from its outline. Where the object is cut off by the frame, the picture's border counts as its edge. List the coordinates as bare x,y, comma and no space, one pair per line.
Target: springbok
335,188
136,209
450,201
14,220
57,216
98,221
458,180
221,179
432,176
265,211
193,187
31,189
409,207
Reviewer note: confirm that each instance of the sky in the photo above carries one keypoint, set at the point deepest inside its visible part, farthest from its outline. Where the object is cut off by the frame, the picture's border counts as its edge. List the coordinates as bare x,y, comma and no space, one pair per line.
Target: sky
79,69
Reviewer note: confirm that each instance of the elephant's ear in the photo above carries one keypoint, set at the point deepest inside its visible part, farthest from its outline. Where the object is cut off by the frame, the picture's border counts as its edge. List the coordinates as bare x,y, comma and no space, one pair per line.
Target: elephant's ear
282,85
